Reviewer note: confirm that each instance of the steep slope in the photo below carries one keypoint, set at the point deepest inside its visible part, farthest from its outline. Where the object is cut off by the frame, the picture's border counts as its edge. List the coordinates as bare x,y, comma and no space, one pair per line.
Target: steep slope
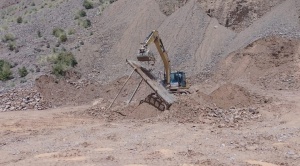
282,20
194,40
119,32
271,63
34,41
189,35
238,14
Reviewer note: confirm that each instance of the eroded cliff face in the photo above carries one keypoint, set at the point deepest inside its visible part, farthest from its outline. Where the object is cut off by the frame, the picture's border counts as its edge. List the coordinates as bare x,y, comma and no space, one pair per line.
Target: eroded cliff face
235,14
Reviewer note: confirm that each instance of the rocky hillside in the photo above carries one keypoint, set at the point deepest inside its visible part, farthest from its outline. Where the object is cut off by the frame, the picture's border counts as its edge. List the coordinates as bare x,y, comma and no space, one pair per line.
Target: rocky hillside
101,35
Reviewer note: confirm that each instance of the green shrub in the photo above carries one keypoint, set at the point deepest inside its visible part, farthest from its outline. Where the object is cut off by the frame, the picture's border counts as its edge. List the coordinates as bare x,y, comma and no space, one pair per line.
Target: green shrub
5,72
8,37
12,46
82,13
61,34
19,20
22,71
57,32
86,23
87,4
59,70
66,58
71,31
63,38
62,63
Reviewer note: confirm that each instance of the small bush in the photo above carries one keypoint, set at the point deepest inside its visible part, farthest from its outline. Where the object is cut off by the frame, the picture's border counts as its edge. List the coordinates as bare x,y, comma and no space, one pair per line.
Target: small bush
63,62
8,37
71,31
63,38
86,23
57,32
12,46
82,13
66,58
87,4
59,70
5,72
61,34
22,71
19,20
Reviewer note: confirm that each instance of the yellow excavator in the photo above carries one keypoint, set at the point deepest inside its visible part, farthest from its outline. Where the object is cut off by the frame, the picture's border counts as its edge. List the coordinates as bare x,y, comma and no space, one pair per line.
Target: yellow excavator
174,82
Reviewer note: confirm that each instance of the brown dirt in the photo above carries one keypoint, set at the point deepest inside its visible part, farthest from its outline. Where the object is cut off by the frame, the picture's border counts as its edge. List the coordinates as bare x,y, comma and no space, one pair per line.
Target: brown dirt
60,92
271,63
222,137
244,112
230,95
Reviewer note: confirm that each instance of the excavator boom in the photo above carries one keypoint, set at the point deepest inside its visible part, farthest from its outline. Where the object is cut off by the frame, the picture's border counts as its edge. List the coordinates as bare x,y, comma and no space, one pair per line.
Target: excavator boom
143,53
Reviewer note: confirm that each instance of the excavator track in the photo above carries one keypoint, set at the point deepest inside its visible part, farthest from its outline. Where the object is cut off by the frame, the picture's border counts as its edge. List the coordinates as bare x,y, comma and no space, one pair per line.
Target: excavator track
156,101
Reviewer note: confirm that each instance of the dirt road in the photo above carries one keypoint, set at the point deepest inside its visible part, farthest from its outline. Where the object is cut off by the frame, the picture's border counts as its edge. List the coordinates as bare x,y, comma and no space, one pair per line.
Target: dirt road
60,137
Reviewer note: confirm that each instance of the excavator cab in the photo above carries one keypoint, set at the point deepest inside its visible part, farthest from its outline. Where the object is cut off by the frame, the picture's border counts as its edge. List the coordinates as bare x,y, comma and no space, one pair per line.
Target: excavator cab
177,79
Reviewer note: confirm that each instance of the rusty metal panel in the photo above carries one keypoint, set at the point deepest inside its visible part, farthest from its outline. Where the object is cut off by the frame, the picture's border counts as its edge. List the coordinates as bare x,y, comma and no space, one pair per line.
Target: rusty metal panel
157,87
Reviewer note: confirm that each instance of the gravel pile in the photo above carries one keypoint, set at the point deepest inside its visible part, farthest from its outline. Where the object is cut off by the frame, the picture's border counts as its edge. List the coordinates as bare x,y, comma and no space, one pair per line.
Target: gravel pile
233,117
25,99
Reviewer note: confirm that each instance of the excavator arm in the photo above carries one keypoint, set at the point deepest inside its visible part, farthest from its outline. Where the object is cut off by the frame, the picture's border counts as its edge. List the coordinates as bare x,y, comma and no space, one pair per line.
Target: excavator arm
154,37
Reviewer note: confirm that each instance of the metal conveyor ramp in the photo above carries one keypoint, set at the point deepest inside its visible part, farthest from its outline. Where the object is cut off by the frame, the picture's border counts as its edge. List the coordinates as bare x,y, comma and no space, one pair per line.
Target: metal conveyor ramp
149,79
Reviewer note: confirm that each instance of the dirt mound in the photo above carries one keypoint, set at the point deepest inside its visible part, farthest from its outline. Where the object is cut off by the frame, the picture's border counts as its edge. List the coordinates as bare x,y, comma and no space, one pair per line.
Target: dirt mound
228,106
272,63
143,111
76,91
63,92
230,95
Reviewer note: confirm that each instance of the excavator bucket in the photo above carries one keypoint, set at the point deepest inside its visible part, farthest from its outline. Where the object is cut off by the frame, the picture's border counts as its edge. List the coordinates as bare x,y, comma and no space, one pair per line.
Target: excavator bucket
145,55
145,58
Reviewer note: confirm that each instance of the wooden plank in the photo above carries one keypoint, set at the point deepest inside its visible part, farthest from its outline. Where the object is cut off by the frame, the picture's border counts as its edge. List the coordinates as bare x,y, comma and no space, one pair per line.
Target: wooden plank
158,88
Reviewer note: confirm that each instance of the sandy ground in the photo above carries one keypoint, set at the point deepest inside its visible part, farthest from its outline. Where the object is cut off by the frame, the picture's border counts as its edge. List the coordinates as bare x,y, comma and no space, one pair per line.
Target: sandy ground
60,137
247,113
